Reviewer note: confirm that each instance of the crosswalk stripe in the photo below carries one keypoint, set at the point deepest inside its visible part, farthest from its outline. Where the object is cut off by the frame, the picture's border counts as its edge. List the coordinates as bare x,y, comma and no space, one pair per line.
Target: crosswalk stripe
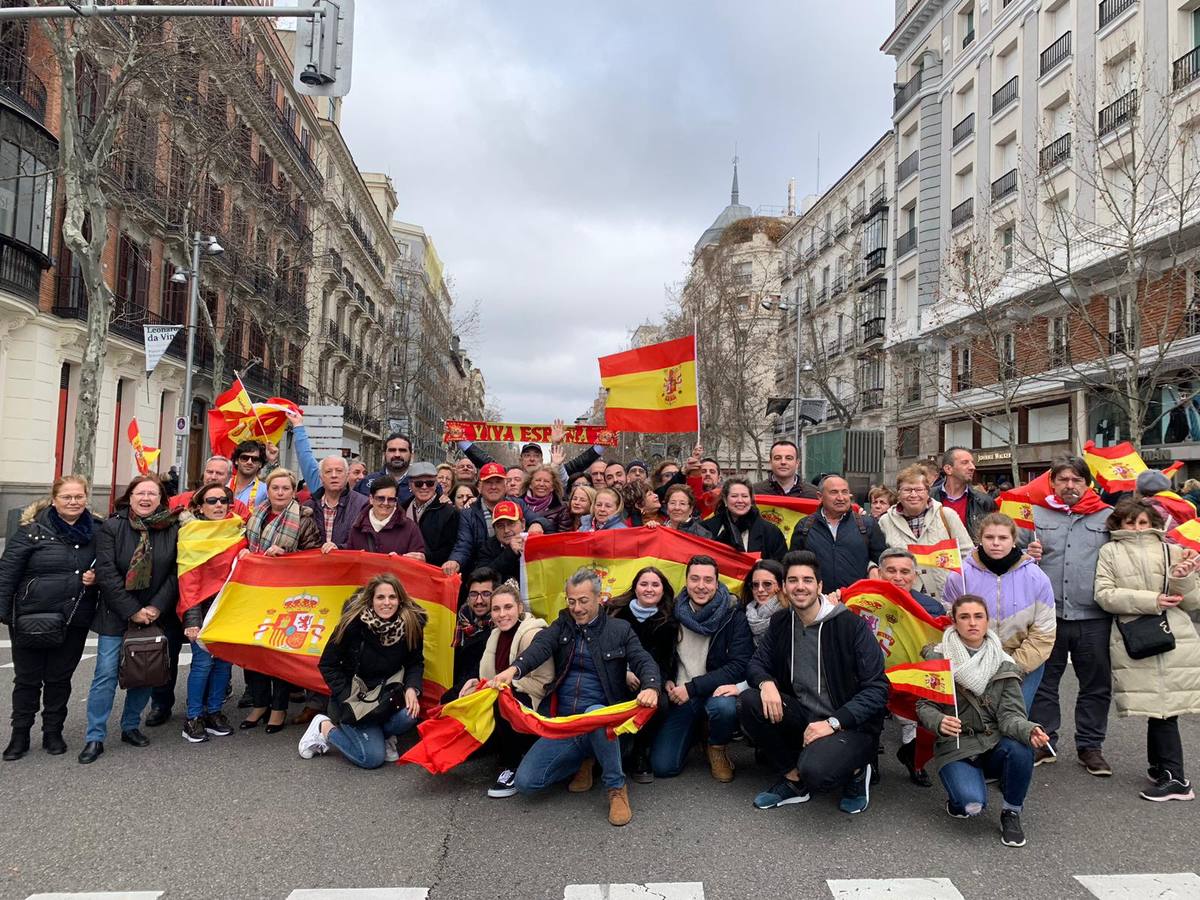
893,889
1179,886
662,890
99,895
408,893
88,642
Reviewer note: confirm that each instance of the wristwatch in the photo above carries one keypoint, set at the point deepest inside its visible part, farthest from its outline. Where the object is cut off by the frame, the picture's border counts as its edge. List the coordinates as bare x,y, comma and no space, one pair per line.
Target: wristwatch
833,723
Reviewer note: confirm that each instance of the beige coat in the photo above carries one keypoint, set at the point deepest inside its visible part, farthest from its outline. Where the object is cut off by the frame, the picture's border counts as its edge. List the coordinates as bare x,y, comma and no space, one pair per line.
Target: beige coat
1129,578
940,525
535,683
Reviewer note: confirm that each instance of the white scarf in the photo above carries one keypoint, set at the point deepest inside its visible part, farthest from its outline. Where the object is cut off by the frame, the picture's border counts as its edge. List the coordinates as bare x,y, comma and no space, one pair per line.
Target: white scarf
377,524
974,672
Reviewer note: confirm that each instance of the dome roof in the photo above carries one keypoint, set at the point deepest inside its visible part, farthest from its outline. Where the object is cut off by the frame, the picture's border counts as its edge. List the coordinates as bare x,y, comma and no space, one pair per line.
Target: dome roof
734,212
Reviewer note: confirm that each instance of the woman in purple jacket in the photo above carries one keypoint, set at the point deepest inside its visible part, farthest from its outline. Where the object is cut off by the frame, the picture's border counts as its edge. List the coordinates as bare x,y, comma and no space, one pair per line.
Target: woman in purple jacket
384,527
1020,598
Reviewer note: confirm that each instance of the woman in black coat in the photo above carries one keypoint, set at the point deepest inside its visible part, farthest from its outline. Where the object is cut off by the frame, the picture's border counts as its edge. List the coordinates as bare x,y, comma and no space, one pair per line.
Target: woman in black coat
135,570
738,524
380,642
47,599
647,606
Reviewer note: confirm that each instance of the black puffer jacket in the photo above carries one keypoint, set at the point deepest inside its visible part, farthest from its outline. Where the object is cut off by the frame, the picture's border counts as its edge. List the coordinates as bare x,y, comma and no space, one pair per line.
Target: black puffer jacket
439,528
41,572
764,537
359,652
115,544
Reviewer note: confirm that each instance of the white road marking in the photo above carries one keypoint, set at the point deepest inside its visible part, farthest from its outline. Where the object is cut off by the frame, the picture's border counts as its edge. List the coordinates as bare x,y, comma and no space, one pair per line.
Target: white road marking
184,660
893,889
100,895
409,893
663,890
89,642
1180,886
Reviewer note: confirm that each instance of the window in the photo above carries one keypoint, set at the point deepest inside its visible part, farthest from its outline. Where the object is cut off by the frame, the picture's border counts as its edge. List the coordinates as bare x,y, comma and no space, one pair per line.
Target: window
26,192
908,441
1120,323
959,434
133,273
1008,356
962,376
912,381
1049,423
742,274
174,297
1006,246
1060,350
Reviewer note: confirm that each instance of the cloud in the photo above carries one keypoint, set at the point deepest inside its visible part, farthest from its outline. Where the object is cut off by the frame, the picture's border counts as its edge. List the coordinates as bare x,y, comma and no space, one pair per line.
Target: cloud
564,158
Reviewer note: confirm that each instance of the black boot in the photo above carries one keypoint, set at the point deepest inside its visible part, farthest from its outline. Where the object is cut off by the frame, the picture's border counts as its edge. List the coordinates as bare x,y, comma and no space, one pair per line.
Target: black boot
53,743
18,744
91,752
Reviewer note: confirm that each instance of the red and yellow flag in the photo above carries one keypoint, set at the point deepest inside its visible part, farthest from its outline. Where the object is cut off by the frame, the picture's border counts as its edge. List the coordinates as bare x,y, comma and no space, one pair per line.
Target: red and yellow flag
1017,507
616,556
652,389
785,512
942,555
900,624
143,457
275,614
234,419
205,554
459,728
931,679
1115,468
1186,535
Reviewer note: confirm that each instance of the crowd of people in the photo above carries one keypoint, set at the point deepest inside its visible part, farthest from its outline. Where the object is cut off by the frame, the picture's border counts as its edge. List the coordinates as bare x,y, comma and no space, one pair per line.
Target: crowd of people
783,666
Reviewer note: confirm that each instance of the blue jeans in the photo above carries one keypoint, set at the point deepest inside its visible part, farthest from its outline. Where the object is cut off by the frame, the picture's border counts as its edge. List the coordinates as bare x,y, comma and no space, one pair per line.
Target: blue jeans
1029,685
1009,761
104,690
552,760
680,729
363,744
208,678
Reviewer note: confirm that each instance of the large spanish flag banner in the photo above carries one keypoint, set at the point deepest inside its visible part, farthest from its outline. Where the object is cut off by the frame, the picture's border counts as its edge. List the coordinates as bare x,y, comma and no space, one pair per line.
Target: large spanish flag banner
652,389
275,614
900,624
616,556
205,554
458,729
942,555
785,512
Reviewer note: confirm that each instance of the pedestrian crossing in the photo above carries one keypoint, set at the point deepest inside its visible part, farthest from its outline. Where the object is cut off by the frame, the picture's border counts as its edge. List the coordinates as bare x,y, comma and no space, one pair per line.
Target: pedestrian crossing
1170,886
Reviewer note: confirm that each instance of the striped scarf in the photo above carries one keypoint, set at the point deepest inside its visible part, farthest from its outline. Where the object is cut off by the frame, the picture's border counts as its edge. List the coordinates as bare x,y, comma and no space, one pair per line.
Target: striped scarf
283,532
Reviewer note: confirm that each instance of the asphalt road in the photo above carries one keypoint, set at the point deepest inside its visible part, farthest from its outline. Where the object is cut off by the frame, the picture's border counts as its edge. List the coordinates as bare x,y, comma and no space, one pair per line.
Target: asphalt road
244,816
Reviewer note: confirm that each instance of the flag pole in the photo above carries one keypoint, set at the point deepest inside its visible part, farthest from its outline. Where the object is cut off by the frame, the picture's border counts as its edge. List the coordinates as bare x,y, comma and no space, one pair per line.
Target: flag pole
696,369
954,693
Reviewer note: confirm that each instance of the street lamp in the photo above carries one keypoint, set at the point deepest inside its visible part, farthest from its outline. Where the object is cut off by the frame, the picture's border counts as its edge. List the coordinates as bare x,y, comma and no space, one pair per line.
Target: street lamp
192,275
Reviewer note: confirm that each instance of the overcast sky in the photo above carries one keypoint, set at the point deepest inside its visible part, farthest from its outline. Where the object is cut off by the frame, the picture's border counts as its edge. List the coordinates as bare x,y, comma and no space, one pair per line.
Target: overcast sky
565,157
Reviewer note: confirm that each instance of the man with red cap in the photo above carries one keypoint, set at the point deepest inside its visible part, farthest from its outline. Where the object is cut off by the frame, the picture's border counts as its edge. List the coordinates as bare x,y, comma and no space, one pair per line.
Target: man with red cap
502,551
475,522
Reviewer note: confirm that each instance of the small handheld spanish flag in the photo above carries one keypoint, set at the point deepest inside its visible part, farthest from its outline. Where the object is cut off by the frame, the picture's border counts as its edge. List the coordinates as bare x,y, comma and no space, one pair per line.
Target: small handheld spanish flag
1187,534
143,457
942,555
1018,507
652,389
932,680
1115,468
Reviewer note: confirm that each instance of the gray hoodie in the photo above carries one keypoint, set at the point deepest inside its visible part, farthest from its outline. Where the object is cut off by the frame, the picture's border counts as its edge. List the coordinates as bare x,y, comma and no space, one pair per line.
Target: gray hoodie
806,662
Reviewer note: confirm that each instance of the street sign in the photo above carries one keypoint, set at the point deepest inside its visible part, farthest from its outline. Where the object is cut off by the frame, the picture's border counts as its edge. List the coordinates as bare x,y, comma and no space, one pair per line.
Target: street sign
181,426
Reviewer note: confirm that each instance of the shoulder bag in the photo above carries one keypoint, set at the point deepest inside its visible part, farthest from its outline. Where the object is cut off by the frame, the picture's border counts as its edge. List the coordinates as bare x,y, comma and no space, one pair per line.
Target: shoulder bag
1149,635
374,704
145,661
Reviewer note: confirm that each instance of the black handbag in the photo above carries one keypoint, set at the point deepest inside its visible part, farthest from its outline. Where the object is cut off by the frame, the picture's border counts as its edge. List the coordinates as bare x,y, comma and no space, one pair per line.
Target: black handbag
1148,635
42,629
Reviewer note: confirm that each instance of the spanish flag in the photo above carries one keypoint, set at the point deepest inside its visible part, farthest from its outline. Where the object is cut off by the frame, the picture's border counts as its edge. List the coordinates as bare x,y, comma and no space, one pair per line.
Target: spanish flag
652,389
275,614
462,726
785,512
1115,468
234,418
931,680
1186,535
1017,507
942,555
900,624
205,555
143,457
616,556
1181,509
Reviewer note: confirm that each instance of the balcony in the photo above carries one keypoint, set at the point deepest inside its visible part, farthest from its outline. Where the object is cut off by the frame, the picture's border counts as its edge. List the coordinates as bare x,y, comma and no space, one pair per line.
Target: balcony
962,213
857,211
826,239
1186,69
1055,54
841,226
874,261
1110,9
1119,342
1055,153
363,239
128,317
1005,96
872,398
839,284
20,87
1117,114
963,130
906,92
20,268
872,328
821,296
906,243
879,199
908,168
1004,186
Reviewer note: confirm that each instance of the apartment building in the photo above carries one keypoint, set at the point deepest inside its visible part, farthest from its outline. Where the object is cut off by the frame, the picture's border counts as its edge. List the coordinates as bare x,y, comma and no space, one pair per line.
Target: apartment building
1044,216
834,270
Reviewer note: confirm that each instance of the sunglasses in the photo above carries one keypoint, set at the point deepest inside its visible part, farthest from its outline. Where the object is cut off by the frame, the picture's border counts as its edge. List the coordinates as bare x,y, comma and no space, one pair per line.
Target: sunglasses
215,501
385,501
423,482
250,457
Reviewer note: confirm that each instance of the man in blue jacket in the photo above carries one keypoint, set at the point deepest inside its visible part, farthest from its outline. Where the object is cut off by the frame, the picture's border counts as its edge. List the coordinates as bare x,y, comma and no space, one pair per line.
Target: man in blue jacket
846,542
475,522
817,695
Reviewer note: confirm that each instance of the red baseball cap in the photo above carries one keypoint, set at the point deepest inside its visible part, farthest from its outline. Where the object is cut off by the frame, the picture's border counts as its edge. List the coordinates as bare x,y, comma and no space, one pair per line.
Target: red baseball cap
492,470
506,510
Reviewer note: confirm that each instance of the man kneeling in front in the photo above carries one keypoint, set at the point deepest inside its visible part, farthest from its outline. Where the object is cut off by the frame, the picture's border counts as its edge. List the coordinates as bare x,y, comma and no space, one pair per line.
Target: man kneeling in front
593,657
817,695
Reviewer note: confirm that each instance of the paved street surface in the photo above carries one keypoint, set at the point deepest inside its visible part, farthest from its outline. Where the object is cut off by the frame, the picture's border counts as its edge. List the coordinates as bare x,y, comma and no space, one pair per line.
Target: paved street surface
244,816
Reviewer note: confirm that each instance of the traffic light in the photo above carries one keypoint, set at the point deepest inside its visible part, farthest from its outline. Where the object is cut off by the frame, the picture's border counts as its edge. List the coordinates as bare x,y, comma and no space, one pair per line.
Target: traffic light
323,49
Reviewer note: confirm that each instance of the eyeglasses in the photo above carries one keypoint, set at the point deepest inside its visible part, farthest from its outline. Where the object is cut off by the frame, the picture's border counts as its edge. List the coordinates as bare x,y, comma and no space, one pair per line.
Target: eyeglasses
479,595
250,457
914,490
762,585
215,501
384,501
423,482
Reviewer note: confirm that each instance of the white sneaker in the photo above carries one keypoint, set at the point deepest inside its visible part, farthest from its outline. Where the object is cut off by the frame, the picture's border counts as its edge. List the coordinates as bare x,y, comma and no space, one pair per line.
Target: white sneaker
390,752
505,786
312,742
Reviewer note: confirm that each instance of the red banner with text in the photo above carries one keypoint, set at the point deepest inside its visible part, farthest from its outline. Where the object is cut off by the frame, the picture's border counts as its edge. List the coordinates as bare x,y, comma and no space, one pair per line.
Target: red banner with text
509,432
